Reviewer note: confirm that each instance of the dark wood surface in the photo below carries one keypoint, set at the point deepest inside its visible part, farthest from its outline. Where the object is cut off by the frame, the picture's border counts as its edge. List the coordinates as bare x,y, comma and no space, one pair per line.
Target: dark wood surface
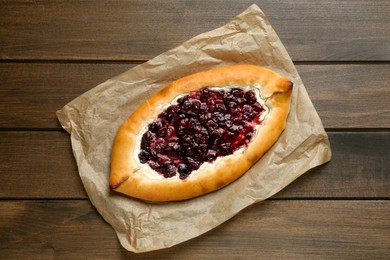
274,229
138,30
53,51
359,169
345,95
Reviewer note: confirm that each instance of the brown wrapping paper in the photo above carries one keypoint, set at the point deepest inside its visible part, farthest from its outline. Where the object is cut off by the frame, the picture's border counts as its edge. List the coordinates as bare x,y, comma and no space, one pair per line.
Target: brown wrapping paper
93,119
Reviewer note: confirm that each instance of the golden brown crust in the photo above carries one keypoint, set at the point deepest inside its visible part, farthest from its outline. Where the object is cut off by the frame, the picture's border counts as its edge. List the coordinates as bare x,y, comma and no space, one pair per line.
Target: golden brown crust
126,177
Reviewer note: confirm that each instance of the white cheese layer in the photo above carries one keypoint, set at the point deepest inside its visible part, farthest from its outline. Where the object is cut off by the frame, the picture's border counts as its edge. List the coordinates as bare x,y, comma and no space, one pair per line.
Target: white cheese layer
145,169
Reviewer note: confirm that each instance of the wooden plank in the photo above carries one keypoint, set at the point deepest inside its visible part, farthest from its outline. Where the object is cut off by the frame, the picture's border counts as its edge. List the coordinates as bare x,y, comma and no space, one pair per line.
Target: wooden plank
349,95
272,229
139,30
41,165
38,164
360,168
345,95
31,93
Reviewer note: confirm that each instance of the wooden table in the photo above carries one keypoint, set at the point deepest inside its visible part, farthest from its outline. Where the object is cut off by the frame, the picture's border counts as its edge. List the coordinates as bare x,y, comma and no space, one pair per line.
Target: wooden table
53,51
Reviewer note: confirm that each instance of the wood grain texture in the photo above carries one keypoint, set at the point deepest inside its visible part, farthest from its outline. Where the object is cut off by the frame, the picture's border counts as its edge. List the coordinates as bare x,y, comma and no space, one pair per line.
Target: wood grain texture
41,165
349,95
139,30
344,95
360,168
31,93
51,51
38,164
268,230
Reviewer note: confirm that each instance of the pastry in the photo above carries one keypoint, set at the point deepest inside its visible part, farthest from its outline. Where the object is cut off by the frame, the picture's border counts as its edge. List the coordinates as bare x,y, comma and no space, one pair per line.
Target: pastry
199,133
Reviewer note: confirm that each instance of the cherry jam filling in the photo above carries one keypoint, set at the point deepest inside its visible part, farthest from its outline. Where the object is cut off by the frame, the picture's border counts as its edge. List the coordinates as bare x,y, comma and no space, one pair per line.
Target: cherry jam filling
202,126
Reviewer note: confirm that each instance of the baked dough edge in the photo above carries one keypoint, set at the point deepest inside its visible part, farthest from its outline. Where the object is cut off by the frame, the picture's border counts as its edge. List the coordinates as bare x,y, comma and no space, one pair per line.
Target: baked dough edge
124,178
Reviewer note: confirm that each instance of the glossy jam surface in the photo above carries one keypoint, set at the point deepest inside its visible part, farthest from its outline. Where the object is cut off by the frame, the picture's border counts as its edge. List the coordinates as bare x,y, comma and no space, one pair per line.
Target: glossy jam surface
200,127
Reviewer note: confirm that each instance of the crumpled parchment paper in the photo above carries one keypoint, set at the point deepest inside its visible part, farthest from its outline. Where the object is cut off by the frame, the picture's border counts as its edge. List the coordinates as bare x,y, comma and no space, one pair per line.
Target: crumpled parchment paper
93,119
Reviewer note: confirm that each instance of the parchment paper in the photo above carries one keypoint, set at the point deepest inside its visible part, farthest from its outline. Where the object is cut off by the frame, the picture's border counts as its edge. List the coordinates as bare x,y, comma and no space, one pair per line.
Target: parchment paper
93,119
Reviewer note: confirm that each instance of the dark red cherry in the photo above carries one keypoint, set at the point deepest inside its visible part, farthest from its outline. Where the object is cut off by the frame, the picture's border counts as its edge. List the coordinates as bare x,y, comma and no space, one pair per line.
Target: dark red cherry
226,148
162,131
154,165
143,156
203,125
211,155
192,164
155,126
147,138
250,97
168,170
183,170
237,92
